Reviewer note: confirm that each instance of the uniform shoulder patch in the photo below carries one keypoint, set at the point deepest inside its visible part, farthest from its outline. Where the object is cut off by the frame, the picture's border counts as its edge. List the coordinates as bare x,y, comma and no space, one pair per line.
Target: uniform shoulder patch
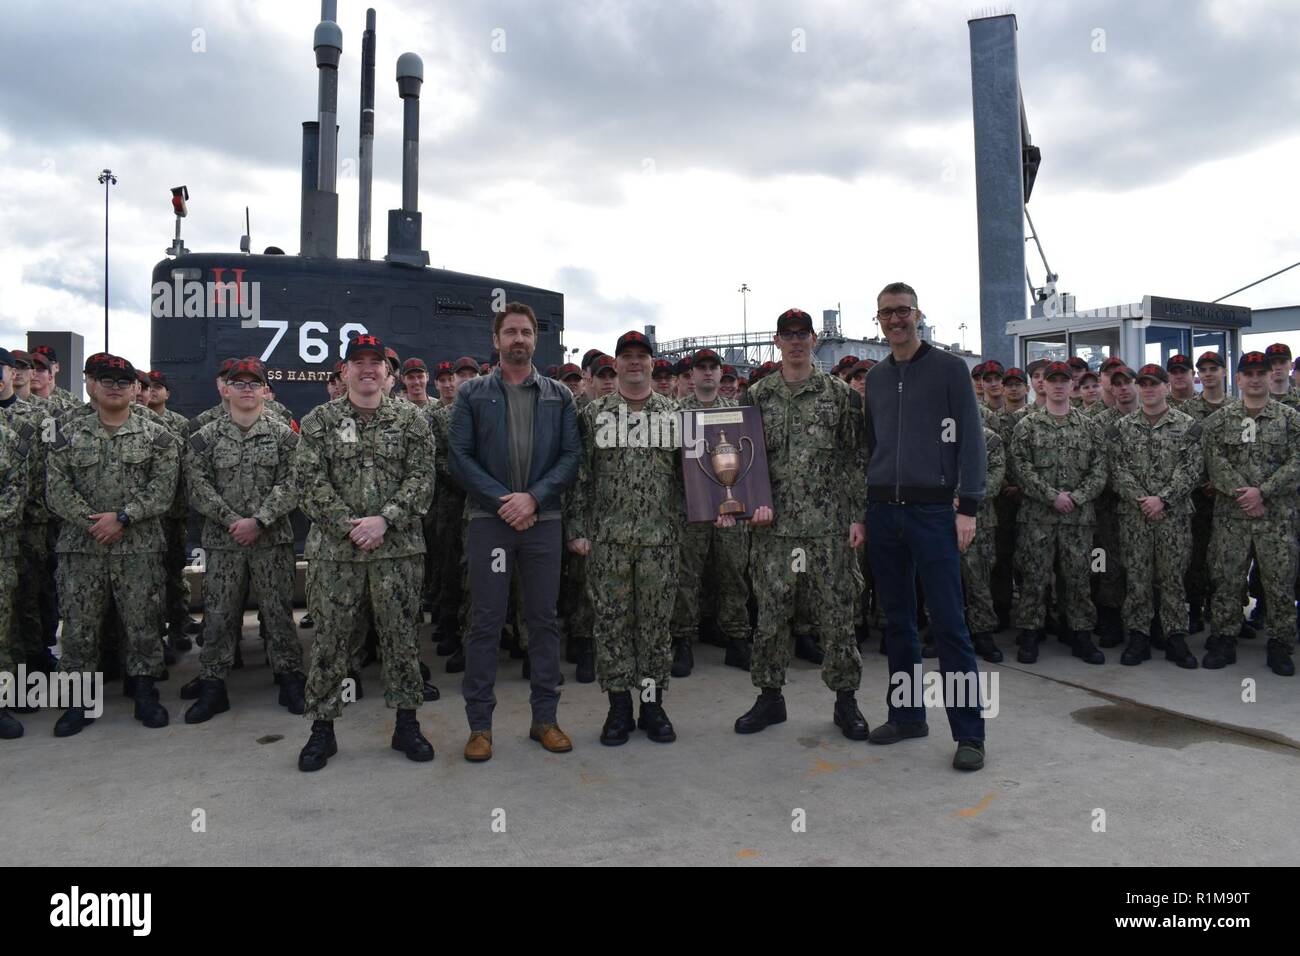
198,442
26,430
1194,431
163,439
1112,433
313,424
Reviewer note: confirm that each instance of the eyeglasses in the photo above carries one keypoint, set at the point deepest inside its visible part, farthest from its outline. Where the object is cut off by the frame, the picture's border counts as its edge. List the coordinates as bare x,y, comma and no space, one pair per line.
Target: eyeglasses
900,312
116,382
801,335
242,386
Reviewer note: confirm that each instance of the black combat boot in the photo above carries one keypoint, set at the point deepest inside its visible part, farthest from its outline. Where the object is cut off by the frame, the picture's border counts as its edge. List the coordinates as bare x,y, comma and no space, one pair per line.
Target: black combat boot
986,647
428,688
1028,643
1083,648
355,677
587,661
448,643
408,739
169,656
769,709
321,745
306,622
806,648
212,701
1176,650
739,654
73,721
147,708
1137,651
10,727
1279,658
293,692
190,689
683,659
618,722
1220,651
456,662
848,718
654,720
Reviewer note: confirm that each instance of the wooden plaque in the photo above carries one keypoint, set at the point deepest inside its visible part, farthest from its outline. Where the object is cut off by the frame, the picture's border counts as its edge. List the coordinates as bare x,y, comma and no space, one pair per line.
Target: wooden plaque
702,434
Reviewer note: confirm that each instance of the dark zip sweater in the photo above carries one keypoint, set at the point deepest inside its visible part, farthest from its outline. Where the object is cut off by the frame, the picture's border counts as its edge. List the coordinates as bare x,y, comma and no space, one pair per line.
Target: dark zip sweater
924,434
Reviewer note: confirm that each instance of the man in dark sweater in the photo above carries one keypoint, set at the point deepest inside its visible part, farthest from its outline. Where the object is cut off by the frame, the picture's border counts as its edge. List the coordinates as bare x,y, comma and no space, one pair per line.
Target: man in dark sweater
927,454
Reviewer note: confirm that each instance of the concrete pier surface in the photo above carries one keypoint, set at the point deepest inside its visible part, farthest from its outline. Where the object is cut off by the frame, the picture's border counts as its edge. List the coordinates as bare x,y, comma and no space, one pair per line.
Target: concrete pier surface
1178,768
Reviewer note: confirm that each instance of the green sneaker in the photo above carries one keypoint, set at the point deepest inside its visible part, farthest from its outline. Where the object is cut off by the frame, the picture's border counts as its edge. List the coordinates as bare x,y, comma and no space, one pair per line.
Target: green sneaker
969,756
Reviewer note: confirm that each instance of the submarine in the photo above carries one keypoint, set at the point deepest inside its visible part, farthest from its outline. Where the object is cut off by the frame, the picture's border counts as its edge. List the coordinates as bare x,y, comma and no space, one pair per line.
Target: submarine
298,312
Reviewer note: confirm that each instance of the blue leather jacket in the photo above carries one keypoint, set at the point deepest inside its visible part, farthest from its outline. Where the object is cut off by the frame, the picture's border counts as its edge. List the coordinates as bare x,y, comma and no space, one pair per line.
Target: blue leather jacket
479,454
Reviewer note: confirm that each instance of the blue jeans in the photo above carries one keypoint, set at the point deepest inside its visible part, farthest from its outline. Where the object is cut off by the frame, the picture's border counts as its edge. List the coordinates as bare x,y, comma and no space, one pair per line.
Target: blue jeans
904,541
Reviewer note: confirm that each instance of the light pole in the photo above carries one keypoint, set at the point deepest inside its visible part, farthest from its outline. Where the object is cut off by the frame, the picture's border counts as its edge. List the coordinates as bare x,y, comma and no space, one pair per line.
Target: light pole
962,327
107,179
744,319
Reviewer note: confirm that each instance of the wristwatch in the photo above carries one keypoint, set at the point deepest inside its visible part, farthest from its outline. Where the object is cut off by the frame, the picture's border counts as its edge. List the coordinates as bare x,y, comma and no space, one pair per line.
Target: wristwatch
260,523
123,518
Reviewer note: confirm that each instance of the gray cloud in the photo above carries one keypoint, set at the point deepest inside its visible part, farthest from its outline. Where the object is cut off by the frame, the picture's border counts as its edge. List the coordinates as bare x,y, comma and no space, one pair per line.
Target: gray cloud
586,91
590,317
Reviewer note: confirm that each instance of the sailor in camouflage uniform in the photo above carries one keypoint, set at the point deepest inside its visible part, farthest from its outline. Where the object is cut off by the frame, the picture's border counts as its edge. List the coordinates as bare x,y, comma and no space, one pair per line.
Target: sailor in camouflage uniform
729,547
450,520
815,435
58,396
1252,454
239,477
977,560
111,477
1210,399
1111,577
574,606
35,614
625,515
222,407
364,469
13,497
1060,466
1155,462
174,523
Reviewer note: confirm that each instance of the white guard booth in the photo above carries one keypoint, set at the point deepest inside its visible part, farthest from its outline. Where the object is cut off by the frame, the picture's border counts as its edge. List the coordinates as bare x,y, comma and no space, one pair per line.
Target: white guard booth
1141,332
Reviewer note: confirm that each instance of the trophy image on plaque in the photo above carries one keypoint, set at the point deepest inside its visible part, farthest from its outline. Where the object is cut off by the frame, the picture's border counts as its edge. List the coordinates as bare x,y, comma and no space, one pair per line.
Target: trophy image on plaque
726,460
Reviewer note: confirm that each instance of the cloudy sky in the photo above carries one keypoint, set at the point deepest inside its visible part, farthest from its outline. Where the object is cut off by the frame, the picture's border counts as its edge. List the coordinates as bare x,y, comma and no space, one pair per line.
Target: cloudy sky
646,158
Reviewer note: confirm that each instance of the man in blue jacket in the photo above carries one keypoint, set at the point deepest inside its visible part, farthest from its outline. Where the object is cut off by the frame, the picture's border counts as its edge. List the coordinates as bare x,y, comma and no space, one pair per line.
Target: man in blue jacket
926,446
514,448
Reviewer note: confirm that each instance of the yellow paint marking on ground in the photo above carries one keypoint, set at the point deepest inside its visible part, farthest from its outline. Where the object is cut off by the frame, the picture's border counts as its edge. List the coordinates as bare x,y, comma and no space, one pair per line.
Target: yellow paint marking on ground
821,765
978,808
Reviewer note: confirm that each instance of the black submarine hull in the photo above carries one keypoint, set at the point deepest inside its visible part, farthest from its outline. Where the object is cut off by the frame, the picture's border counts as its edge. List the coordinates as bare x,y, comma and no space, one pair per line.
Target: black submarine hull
297,314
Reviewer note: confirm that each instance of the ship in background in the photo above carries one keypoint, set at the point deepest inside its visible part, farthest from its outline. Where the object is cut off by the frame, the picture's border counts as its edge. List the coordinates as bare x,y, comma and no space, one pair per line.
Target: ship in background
297,312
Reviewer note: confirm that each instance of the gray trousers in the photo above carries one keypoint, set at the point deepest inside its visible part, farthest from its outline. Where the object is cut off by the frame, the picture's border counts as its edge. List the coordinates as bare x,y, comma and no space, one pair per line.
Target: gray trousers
495,552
